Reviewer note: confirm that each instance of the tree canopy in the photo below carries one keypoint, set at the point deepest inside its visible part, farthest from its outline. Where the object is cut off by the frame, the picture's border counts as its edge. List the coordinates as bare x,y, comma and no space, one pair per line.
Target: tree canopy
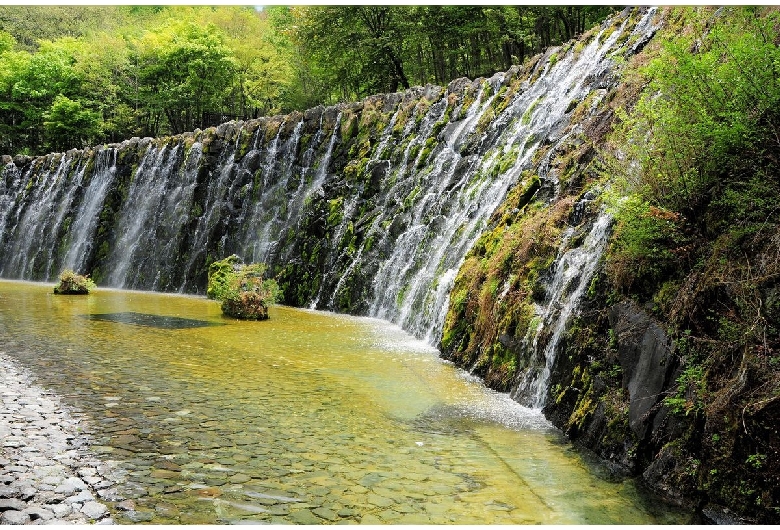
81,75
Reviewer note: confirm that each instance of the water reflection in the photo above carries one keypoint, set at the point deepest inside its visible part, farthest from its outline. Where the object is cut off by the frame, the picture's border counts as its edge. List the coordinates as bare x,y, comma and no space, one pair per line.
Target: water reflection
305,418
155,321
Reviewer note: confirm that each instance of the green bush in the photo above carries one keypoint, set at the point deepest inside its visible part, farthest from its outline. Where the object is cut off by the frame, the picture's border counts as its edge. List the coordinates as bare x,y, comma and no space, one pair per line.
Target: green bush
220,273
241,288
710,110
72,283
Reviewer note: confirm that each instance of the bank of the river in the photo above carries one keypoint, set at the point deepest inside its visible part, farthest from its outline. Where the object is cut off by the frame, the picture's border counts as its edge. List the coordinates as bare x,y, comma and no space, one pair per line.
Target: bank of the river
47,474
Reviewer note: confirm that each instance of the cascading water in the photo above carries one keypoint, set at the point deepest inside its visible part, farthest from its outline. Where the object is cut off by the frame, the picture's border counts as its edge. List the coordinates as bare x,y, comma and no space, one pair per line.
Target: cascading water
85,221
150,223
366,208
573,270
48,212
32,224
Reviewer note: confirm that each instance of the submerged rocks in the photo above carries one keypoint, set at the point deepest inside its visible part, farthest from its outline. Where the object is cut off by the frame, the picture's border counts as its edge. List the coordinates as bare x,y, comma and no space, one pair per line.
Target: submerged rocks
43,453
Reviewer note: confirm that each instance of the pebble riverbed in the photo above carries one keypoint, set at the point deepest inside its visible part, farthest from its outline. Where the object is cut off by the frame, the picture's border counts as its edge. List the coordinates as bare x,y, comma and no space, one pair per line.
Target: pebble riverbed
47,474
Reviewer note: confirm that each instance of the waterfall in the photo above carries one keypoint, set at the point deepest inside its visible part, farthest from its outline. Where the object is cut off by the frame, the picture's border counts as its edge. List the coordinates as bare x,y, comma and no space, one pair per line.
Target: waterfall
150,223
573,271
85,223
367,207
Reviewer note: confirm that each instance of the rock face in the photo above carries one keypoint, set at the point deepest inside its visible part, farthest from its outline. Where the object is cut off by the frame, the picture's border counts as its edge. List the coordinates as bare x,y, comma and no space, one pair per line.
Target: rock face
645,356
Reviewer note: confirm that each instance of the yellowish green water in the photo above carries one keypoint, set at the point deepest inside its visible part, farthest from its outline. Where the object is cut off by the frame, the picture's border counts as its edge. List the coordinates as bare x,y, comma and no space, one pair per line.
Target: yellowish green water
308,417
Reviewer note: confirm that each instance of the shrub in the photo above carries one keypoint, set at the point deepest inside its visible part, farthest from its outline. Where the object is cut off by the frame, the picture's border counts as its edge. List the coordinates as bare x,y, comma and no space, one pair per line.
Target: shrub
72,283
219,276
241,288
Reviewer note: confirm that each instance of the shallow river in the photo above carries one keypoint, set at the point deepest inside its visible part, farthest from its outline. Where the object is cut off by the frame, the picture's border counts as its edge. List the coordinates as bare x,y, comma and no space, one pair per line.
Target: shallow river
309,417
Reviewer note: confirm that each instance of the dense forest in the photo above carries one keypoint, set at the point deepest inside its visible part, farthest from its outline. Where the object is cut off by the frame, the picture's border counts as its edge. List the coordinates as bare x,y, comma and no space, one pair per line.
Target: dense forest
74,76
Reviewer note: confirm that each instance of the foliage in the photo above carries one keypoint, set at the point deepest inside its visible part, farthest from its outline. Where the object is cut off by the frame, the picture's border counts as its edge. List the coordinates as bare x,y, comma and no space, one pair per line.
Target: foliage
66,121
184,70
690,392
72,283
158,70
219,276
241,288
705,112
696,238
645,245
392,47
113,72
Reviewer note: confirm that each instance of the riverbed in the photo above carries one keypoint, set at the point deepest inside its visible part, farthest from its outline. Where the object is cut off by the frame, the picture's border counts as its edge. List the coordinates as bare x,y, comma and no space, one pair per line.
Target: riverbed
309,417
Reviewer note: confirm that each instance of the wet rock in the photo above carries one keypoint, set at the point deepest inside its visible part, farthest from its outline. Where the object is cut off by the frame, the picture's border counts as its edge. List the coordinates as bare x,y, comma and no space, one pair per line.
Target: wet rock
370,519
325,513
644,351
139,516
377,500
304,517
126,505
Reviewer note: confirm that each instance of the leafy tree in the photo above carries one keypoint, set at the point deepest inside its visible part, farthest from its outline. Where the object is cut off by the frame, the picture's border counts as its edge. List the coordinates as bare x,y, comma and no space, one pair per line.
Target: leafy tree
184,71
68,121
35,81
392,47
7,42
31,24
152,70
263,67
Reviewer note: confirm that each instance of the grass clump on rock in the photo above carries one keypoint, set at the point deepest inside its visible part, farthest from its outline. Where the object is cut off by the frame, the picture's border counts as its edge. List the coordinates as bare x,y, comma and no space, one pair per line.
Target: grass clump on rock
72,283
241,288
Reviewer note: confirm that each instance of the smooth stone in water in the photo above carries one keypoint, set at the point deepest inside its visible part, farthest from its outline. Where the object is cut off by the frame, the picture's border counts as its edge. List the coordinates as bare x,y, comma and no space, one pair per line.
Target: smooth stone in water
139,516
305,517
376,500
126,505
325,513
